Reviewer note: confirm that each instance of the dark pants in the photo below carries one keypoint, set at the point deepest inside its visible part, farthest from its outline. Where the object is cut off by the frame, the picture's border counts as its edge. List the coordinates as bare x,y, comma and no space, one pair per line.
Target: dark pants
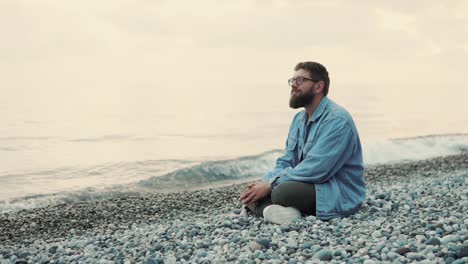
299,195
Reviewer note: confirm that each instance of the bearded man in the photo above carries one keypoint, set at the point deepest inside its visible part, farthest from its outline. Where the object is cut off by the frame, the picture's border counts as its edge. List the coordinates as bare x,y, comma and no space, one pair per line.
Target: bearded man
322,171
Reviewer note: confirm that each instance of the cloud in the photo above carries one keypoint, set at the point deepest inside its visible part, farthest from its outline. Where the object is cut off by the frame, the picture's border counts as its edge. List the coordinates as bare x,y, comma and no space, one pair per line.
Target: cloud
86,46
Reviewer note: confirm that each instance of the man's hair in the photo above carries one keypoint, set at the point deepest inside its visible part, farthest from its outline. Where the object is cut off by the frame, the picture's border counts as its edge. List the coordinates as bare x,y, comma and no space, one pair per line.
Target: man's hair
317,72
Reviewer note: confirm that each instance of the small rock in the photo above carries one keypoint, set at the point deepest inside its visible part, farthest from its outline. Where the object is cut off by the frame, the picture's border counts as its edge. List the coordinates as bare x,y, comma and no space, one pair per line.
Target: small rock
105,261
283,250
447,239
415,256
156,246
402,251
307,245
254,246
433,241
376,234
460,261
324,255
264,242
291,243
393,255
53,249
462,251
202,254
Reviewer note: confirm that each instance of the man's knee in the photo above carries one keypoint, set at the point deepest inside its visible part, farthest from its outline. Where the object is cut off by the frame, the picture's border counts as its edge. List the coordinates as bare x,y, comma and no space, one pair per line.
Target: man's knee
291,192
283,193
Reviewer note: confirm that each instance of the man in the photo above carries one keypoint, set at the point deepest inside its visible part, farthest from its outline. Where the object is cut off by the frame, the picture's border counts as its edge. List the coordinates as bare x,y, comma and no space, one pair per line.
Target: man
322,171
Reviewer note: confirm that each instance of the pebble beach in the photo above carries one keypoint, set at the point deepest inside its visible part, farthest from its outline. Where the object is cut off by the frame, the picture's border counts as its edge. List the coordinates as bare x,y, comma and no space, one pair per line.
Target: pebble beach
414,212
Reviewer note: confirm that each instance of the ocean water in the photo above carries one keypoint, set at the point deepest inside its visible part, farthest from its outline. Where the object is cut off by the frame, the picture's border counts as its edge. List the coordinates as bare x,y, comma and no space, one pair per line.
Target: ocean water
66,156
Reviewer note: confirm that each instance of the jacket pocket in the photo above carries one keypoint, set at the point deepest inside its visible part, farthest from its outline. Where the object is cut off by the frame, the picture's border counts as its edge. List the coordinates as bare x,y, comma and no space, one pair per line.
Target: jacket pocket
291,149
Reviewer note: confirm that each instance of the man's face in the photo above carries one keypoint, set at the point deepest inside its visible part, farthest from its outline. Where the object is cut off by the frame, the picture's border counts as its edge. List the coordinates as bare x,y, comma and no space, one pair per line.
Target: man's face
301,93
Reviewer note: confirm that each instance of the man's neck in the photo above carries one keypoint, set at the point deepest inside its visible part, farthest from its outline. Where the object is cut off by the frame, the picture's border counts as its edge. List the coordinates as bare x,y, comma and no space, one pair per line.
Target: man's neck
310,108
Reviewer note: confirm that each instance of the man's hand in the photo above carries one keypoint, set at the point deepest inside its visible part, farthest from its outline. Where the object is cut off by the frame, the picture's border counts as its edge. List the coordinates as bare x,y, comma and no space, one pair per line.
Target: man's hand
254,192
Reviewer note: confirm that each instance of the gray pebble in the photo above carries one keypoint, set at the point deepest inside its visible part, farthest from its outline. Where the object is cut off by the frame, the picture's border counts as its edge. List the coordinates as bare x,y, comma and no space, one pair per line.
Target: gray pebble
264,242
433,241
253,246
324,255
415,256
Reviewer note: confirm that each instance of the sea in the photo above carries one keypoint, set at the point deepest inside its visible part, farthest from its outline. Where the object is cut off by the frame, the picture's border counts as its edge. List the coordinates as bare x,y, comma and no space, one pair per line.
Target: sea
67,155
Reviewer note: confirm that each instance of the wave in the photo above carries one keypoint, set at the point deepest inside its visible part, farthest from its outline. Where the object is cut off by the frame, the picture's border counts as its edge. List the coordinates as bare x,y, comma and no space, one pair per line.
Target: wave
214,171
85,195
176,175
388,151
414,148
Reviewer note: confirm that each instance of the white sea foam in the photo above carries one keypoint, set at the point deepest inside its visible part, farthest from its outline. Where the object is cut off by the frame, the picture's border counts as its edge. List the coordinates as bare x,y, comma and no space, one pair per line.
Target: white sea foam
133,178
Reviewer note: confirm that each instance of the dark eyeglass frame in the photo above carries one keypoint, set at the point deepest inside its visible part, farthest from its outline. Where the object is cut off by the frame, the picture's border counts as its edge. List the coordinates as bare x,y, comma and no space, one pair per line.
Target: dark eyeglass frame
299,80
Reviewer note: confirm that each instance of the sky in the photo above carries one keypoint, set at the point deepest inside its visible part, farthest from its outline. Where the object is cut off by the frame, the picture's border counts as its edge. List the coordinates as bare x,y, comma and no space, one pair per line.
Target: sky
77,59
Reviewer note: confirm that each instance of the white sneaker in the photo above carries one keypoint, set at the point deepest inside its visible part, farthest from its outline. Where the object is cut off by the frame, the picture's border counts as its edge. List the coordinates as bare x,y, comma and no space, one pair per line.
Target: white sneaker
278,214
243,211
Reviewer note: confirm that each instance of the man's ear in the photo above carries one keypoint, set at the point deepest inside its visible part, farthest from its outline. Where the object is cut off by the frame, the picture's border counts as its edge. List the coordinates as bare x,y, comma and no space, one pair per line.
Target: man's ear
319,88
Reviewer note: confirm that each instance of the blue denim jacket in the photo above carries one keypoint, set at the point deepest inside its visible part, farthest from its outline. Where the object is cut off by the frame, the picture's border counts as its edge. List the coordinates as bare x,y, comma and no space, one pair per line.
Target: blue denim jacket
325,151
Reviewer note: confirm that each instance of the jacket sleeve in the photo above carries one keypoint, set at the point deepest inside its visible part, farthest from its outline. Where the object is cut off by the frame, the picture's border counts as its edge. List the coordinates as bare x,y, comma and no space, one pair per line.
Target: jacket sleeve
284,161
333,147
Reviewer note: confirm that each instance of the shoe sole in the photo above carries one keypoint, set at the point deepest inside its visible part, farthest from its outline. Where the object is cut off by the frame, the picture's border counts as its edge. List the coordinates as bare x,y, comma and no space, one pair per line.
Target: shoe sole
278,214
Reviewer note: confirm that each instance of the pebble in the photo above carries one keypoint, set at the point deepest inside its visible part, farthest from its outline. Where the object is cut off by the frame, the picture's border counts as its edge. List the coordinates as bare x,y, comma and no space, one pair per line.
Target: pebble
462,251
404,219
433,241
291,243
415,256
447,239
264,242
376,234
324,255
393,255
307,245
402,250
254,246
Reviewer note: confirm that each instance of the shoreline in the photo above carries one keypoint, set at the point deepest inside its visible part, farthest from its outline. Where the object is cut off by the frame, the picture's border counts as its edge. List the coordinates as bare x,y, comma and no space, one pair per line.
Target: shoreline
395,191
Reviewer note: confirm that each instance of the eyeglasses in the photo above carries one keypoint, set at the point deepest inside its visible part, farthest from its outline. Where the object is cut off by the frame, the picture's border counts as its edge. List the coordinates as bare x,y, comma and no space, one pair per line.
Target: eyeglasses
299,80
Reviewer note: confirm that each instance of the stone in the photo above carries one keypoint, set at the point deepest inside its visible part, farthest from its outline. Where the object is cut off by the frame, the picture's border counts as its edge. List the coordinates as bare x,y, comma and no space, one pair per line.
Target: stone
53,249
376,234
433,241
150,260
254,246
291,243
447,239
393,255
462,251
202,254
324,255
415,256
264,242
402,250
461,261
105,261
283,250
156,246
307,244
24,254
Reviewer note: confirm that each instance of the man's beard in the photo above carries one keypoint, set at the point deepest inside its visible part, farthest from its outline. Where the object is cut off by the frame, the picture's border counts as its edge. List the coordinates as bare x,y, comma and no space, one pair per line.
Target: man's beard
301,100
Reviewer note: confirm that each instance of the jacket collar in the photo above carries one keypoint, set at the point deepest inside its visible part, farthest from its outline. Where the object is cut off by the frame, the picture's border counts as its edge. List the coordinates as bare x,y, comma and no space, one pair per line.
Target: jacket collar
318,111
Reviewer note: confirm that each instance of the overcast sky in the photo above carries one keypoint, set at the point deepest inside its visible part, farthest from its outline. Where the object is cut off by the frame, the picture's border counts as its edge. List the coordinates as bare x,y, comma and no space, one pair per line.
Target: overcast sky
164,56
